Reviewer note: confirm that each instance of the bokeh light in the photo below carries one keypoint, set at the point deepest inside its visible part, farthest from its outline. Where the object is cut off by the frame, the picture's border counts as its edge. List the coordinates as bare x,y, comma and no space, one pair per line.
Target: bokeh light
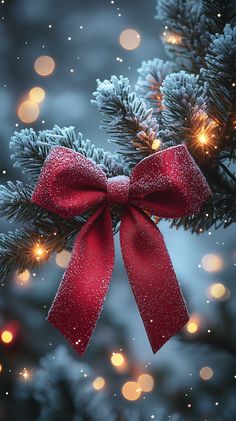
99,383
130,39
146,382
206,373
131,391
6,336
117,359
37,94
193,325
63,258
219,291
23,277
0,367
28,111
212,263
44,65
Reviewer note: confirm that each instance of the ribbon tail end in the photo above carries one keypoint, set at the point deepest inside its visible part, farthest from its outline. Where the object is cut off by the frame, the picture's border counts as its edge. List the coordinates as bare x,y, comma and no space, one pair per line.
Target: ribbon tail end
157,345
79,346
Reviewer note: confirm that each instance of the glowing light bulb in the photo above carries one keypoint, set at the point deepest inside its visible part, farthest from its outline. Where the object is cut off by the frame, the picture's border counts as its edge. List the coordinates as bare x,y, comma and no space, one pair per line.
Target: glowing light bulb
202,138
25,374
7,337
117,359
156,144
99,383
39,252
192,326
172,38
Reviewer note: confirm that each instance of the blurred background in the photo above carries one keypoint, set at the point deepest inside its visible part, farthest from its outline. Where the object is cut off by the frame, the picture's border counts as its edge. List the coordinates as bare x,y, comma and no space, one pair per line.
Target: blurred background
52,52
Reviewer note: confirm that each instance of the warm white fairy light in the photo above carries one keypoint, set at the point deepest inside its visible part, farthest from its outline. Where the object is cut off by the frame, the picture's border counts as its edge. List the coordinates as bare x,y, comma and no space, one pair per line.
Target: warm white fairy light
172,38
99,383
193,325
39,252
25,374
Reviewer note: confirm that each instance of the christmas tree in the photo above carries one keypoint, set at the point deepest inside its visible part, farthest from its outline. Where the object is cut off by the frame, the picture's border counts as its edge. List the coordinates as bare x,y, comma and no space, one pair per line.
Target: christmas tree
189,99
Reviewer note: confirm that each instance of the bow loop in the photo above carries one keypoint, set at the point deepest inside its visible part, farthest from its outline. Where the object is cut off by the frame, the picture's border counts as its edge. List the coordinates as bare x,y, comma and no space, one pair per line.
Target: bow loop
69,184
168,184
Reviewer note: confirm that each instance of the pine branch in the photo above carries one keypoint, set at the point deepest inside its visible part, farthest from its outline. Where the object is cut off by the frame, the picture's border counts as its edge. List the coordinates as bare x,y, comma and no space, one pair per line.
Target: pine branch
151,75
60,390
184,114
221,81
184,38
126,119
219,211
29,150
51,231
16,204
16,250
218,13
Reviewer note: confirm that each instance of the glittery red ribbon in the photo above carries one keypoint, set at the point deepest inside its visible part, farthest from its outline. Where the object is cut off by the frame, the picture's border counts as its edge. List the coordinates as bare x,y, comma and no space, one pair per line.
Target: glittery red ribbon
167,184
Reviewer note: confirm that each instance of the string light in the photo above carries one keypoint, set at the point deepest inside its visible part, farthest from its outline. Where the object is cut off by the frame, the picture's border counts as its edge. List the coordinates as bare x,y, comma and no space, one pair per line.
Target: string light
192,326
6,337
202,138
146,382
25,374
99,383
39,252
156,144
131,391
172,38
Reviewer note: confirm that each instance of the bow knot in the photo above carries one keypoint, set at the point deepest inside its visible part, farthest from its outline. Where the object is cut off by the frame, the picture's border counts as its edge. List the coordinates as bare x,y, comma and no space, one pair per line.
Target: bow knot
167,184
118,190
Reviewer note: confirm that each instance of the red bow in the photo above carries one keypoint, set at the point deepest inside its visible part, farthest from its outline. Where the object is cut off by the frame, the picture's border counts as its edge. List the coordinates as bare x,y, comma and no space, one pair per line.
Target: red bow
167,184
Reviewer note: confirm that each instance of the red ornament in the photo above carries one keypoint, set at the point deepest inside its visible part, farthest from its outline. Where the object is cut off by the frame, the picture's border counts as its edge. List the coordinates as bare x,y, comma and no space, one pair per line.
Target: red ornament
168,184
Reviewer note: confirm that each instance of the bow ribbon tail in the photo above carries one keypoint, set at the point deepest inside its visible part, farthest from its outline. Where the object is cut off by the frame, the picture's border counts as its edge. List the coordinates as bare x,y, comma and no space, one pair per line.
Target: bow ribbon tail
80,297
152,277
